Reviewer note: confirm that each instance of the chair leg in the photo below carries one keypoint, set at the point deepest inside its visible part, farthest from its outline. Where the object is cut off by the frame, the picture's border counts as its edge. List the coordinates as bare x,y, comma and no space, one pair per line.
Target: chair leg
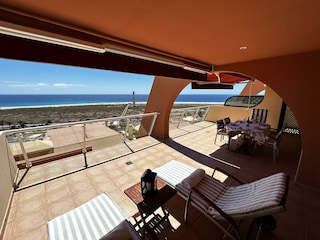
275,154
259,229
186,208
253,230
215,140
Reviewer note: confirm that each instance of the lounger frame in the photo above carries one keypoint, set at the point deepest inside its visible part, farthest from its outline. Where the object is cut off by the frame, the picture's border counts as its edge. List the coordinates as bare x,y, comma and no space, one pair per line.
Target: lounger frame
233,221
174,172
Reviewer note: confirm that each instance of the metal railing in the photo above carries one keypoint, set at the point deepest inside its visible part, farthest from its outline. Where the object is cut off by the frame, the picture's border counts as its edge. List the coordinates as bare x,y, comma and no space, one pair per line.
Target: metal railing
190,115
66,142
26,147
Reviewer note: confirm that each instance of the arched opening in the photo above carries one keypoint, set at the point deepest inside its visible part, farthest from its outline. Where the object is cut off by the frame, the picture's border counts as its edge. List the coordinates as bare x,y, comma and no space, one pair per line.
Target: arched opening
165,91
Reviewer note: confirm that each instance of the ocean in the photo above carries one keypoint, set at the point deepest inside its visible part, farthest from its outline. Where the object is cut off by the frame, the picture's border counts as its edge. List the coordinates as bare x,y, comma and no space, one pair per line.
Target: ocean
35,100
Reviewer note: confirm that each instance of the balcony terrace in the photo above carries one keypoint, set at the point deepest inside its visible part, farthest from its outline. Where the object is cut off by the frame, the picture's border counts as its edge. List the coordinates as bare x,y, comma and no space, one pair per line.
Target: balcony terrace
114,168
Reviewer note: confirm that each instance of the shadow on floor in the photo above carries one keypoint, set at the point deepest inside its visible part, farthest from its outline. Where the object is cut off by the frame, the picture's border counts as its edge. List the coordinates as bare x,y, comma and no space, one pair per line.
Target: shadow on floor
302,204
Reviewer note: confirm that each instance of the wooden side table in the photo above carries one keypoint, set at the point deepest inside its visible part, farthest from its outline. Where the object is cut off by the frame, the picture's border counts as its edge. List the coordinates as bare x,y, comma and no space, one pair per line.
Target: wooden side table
149,204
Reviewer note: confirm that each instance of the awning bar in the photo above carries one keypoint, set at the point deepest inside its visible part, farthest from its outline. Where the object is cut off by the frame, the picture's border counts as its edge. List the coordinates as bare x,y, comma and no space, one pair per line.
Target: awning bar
35,28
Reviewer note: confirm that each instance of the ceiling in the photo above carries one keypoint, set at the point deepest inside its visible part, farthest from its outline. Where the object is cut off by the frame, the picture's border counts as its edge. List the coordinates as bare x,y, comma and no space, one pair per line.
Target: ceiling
211,32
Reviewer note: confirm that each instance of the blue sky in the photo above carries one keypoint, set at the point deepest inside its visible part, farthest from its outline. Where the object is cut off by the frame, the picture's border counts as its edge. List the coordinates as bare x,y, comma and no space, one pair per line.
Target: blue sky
21,77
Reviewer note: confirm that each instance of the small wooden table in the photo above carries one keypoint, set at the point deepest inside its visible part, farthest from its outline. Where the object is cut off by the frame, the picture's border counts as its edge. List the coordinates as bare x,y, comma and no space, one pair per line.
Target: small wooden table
149,204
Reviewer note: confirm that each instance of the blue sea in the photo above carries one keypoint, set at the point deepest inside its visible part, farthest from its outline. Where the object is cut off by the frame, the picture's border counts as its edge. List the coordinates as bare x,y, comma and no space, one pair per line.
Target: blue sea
11,101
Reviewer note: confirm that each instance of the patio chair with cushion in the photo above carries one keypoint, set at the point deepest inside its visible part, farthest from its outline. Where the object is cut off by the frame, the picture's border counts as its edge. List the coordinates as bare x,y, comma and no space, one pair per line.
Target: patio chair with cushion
99,218
227,120
223,203
259,115
274,142
221,130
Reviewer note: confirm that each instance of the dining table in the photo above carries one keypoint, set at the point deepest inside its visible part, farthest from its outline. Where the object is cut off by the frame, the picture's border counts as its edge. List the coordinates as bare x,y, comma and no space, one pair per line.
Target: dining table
255,132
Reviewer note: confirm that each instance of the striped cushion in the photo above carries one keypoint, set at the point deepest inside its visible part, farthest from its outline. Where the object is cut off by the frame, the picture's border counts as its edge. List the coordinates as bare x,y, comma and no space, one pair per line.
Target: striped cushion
261,194
208,187
247,198
213,192
91,220
174,172
259,115
236,200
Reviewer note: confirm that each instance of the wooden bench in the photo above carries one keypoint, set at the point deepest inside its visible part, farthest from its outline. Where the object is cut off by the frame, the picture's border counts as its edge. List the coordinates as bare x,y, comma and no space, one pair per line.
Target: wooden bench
52,157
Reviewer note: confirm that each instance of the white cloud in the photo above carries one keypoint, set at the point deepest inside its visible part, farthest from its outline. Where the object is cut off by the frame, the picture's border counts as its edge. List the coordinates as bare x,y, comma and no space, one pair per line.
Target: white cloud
39,85
27,85
64,85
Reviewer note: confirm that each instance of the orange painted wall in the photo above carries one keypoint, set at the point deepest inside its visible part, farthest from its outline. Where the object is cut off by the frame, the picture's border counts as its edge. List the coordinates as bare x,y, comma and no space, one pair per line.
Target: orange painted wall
294,78
163,93
253,88
271,101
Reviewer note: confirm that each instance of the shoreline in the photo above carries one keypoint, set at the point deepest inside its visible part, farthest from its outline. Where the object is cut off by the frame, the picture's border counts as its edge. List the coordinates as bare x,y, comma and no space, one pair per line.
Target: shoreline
44,115
104,104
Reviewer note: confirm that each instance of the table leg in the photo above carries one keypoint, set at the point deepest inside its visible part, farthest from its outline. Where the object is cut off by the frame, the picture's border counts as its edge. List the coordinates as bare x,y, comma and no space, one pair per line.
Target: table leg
150,229
166,216
250,146
231,134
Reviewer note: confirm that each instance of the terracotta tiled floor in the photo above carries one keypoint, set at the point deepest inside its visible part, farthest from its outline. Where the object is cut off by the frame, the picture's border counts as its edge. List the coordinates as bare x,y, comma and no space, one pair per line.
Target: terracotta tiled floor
33,206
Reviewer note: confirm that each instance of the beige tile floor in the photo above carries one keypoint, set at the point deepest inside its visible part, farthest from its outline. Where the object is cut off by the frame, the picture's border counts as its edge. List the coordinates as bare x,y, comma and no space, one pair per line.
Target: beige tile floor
33,205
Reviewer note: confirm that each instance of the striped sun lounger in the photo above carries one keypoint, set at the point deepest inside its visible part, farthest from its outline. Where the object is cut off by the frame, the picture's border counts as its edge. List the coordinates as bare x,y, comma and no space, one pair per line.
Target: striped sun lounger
220,202
90,221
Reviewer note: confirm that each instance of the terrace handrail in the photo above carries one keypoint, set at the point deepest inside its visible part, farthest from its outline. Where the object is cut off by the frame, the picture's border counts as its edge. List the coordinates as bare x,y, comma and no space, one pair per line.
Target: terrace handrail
180,112
190,108
28,163
51,126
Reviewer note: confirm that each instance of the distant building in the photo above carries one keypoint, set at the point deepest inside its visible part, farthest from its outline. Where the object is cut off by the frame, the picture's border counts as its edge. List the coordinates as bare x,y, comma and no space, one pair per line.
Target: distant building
133,99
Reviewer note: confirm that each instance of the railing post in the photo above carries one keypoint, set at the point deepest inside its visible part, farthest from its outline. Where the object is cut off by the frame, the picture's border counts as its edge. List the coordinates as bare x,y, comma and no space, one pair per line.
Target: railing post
181,117
25,155
152,125
195,113
206,113
126,129
84,149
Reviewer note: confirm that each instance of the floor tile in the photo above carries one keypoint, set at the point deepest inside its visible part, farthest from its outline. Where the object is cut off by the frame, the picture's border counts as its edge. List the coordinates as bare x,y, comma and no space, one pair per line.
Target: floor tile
32,193
55,209
30,207
83,196
27,223
40,233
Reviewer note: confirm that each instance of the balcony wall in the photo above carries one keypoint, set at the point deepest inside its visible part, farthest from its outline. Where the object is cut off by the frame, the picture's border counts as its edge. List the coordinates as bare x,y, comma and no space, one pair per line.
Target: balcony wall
7,174
296,79
271,101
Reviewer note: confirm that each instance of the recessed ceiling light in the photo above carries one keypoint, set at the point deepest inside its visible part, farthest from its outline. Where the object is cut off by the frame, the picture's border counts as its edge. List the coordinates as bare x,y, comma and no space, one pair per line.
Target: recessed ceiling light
243,48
